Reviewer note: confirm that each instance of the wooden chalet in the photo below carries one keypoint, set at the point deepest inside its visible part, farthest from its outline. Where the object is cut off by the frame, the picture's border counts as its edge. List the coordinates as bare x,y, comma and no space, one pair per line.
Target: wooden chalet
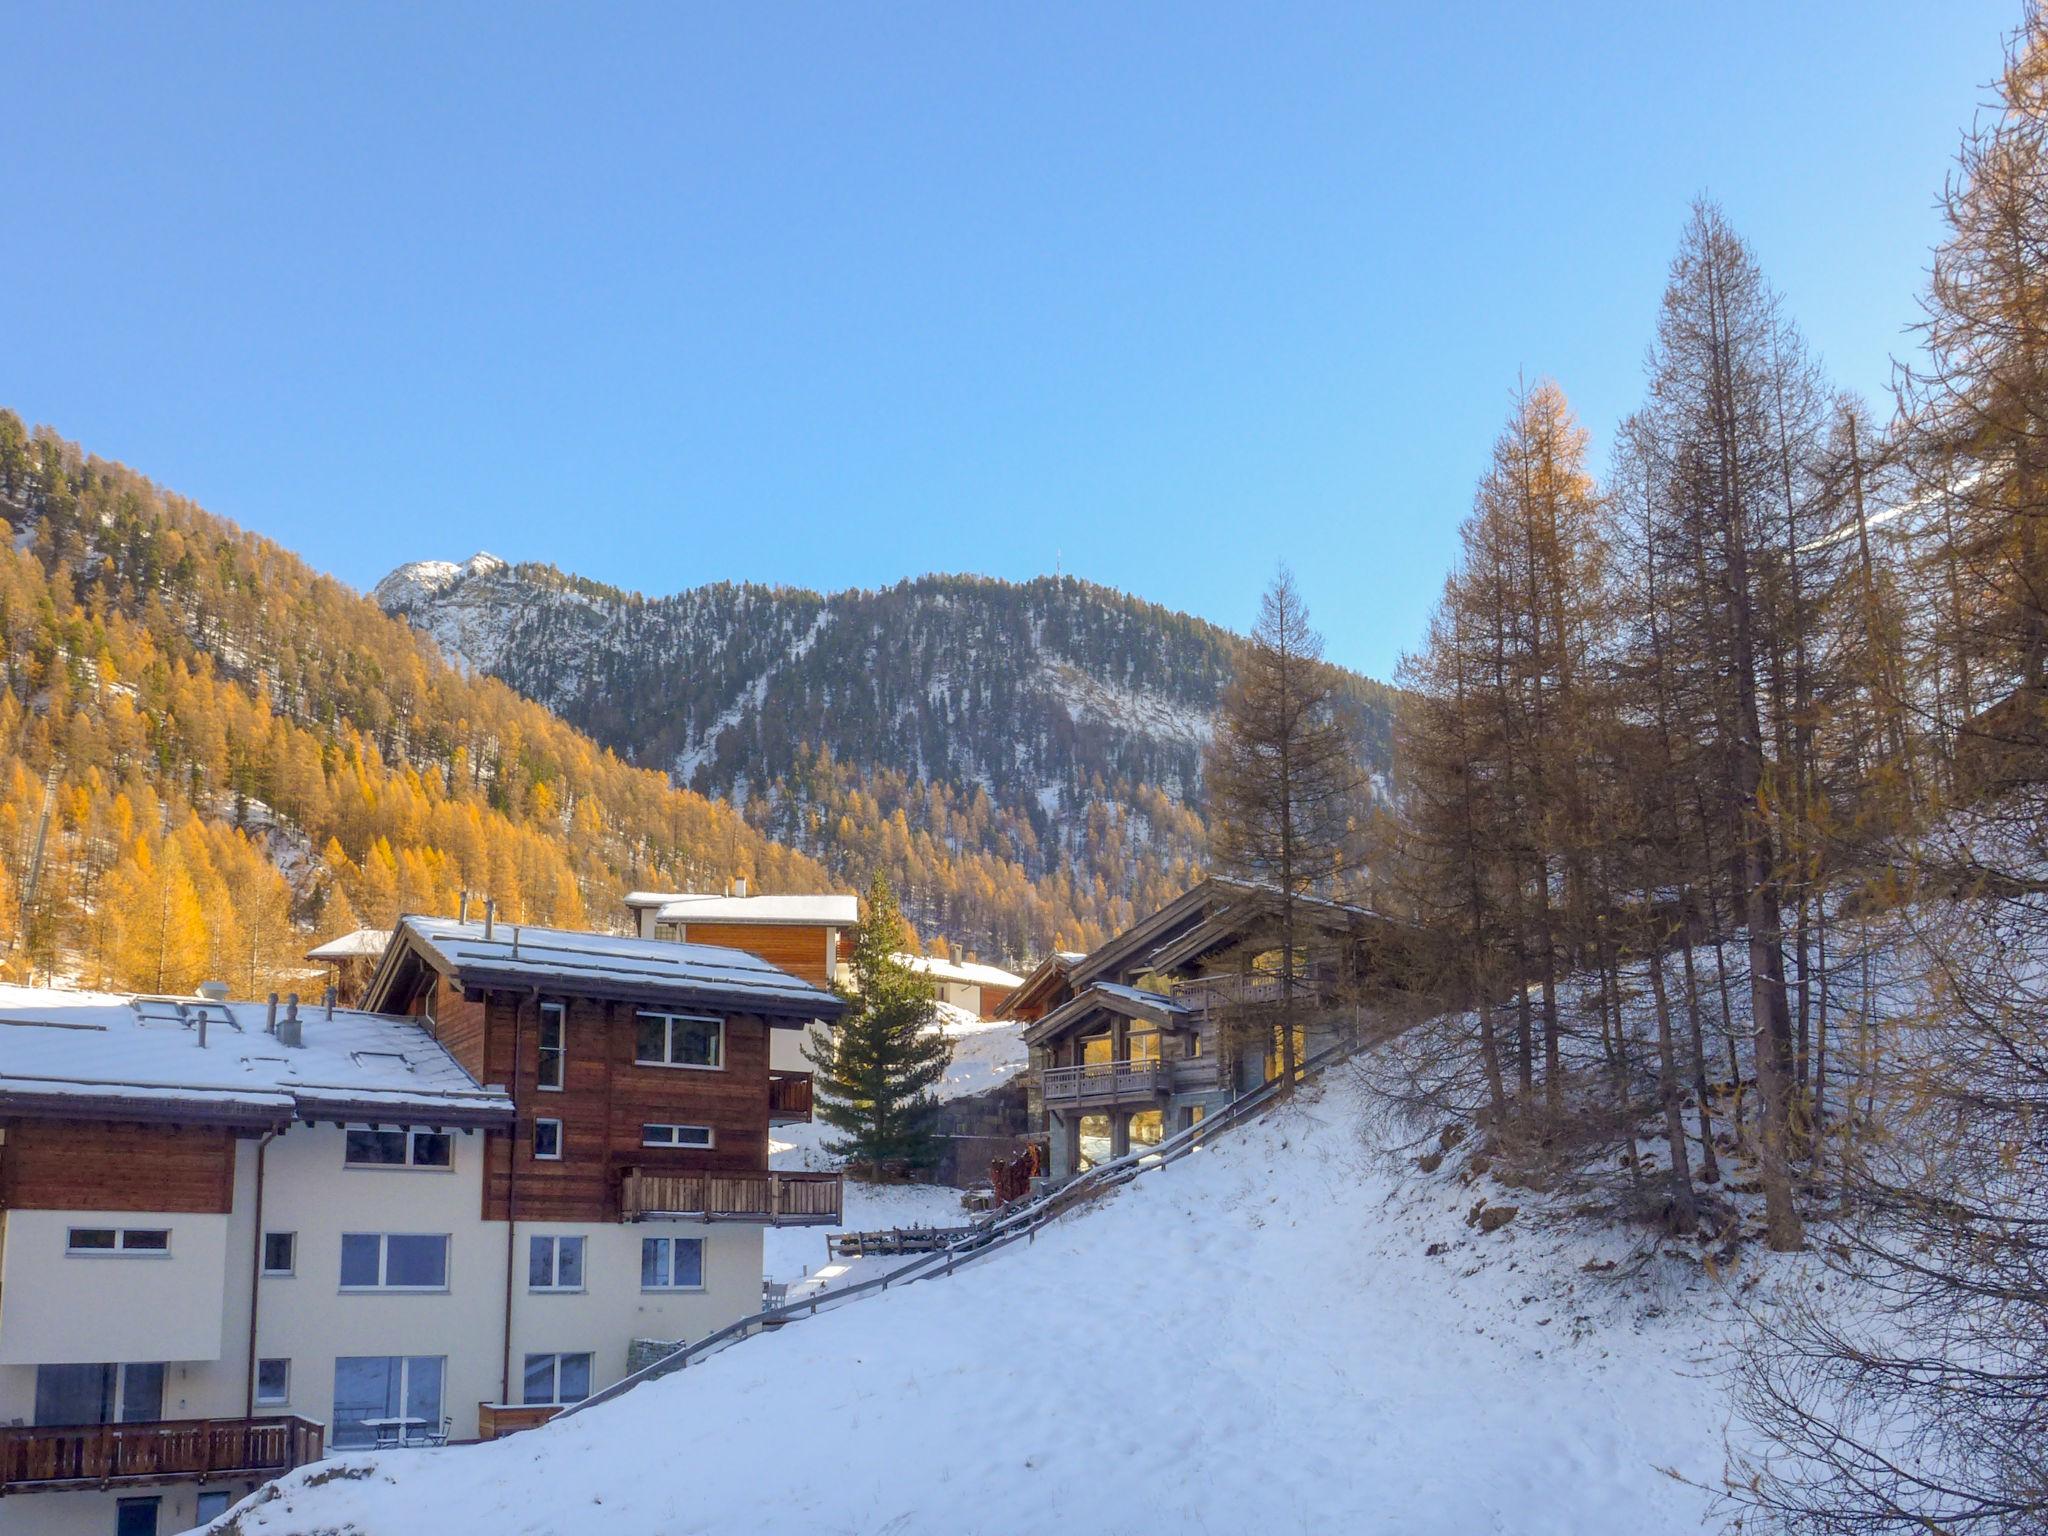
1176,1015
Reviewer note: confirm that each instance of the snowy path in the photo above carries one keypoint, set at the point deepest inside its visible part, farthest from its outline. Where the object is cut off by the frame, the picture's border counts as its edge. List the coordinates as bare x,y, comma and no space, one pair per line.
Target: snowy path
1252,1340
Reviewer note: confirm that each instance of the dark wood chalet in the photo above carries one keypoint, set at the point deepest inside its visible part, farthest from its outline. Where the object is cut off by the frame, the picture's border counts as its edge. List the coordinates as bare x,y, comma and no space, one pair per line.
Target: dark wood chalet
639,1068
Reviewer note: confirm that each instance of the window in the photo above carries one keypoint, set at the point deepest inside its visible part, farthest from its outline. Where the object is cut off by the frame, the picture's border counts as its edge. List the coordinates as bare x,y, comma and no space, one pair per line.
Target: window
675,1135
397,1396
679,1040
136,1517
119,1240
99,1394
273,1381
547,1141
393,1261
280,1253
368,1148
213,1503
671,1263
554,1045
554,1264
557,1378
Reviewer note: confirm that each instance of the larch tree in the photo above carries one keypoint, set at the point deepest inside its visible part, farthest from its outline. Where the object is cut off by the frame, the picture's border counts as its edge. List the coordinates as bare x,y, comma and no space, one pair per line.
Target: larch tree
878,1065
1283,781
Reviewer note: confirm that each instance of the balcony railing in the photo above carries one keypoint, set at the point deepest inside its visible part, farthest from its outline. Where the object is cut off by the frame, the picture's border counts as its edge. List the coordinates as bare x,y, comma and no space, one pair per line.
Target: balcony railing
1106,1082
1209,994
771,1199
789,1098
163,1450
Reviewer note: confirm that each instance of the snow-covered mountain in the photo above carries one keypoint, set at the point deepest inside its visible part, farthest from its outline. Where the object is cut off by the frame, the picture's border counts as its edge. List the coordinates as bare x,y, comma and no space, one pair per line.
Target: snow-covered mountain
1060,724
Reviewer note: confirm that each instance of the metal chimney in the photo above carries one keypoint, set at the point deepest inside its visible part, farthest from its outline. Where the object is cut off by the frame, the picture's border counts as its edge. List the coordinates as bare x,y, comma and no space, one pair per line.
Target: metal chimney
330,1002
270,1017
490,914
462,908
289,1030
739,887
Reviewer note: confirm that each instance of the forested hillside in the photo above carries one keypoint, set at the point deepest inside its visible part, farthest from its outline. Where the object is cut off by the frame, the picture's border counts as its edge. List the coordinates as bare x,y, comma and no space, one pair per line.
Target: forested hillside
975,739
210,754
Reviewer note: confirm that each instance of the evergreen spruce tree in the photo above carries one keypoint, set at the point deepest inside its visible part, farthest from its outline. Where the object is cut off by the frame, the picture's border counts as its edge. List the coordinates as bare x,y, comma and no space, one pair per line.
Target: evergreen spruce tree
877,1067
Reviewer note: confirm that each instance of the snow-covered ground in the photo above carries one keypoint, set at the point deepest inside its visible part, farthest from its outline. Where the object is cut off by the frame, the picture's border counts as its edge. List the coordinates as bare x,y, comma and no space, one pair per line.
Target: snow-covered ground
986,1052
1286,1332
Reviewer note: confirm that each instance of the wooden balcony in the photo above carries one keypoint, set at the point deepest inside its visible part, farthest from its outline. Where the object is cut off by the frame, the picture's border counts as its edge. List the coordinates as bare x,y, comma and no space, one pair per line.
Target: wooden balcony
1107,1082
165,1450
789,1098
1217,994
494,1421
769,1199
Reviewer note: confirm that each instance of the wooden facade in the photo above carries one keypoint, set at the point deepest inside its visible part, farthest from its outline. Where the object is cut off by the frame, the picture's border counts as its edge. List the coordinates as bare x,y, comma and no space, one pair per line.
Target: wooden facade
802,949
86,1165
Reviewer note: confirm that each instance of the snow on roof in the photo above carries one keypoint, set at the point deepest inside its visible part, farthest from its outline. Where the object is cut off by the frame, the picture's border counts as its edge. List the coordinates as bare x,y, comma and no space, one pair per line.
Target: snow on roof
1138,995
65,1047
363,944
962,970
705,972
688,907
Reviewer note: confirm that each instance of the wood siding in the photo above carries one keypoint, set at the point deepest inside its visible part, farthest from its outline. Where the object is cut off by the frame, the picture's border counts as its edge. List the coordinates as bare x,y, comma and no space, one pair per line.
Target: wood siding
801,951
69,1165
459,1024
606,1097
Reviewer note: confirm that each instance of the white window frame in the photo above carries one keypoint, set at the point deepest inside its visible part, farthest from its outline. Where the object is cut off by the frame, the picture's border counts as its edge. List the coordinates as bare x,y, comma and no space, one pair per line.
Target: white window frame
556,1013
668,1041
412,1135
710,1137
281,1397
381,1287
554,1241
292,1241
121,1249
556,1357
672,1289
534,1143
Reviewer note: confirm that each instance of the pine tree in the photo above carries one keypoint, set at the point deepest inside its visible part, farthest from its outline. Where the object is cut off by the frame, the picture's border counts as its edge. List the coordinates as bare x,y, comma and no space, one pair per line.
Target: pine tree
877,1067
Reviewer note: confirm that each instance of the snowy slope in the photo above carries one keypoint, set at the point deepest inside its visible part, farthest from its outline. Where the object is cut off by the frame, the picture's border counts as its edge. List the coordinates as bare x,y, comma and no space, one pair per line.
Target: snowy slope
1258,1338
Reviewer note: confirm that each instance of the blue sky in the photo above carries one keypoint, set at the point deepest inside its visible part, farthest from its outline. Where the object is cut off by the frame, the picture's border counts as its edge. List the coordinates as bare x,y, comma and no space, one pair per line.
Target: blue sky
836,295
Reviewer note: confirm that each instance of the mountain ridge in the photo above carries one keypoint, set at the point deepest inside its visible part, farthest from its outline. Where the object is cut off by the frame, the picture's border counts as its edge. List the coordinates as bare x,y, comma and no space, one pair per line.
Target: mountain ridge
1053,728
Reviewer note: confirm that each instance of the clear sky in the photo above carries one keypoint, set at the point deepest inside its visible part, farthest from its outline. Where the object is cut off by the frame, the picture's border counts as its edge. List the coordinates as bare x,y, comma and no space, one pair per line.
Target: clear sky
834,295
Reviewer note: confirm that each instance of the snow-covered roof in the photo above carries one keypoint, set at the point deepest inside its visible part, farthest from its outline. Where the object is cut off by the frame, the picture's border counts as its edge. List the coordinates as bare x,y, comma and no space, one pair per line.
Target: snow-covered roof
363,944
1140,996
1114,997
102,1052
688,907
519,954
966,971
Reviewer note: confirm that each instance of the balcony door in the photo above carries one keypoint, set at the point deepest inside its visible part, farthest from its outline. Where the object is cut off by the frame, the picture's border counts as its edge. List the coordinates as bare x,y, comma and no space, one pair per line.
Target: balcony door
385,1397
99,1394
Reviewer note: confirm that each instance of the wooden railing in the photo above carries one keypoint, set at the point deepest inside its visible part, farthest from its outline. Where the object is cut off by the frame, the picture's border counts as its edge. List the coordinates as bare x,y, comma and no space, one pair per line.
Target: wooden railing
494,1421
1105,1082
773,1199
1208,994
160,1450
789,1098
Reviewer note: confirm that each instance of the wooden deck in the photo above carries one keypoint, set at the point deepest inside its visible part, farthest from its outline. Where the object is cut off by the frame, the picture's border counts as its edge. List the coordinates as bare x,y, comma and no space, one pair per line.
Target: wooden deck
770,1199
163,1450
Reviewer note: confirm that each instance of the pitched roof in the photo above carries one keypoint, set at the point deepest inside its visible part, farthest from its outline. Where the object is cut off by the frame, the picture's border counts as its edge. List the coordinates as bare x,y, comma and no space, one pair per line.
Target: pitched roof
362,944
604,964
778,911
1101,997
962,970
105,1054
